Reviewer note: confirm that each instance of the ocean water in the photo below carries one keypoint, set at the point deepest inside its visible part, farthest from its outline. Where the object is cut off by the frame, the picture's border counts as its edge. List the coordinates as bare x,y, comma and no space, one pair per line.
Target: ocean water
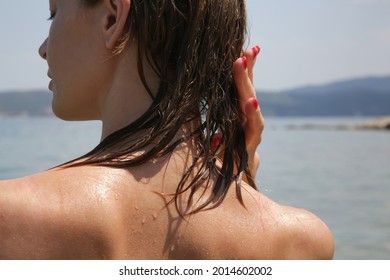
341,176
28,146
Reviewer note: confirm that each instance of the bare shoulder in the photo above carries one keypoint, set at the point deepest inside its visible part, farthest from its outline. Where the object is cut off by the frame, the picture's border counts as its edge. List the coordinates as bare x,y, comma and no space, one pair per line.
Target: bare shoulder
295,233
262,229
302,235
53,215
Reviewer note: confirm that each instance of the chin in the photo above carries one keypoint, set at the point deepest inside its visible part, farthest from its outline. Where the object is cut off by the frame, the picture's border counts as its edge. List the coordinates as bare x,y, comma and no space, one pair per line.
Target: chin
69,115
64,116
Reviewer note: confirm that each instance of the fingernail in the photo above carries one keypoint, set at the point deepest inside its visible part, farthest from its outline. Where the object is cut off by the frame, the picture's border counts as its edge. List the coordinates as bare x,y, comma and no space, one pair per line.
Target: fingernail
244,62
255,103
216,140
258,49
255,52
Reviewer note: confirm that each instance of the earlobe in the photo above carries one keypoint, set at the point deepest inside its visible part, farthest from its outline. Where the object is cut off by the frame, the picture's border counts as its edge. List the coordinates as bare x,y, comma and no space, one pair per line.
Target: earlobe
114,22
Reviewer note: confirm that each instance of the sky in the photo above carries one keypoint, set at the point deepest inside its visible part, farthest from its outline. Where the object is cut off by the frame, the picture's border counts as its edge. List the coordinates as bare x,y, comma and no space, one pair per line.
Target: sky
304,42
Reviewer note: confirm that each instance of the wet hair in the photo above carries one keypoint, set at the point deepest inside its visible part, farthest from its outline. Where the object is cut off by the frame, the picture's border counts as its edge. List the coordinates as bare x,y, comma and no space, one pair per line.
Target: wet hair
191,45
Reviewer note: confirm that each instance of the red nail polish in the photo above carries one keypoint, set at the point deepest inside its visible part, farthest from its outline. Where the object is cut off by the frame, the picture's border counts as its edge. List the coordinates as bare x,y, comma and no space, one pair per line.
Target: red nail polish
255,52
216,141
255,103
258,49
244,62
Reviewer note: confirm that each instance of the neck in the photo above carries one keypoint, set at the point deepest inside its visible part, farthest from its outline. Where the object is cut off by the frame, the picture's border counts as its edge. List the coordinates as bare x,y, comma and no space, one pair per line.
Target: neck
126,98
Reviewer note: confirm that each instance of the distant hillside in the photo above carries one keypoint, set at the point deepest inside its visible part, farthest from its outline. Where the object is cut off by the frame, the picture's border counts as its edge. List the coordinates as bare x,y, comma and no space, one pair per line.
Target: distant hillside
29,103
365,97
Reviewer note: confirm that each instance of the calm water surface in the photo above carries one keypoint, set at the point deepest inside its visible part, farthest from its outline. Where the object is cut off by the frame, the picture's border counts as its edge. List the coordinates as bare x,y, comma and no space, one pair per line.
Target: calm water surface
341,176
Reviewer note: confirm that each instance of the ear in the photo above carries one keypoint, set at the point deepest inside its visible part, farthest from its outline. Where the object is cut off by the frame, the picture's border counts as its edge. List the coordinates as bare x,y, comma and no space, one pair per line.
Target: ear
114,20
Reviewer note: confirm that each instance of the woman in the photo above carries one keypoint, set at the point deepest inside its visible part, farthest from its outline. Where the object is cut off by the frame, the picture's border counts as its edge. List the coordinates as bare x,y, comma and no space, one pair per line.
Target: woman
171,178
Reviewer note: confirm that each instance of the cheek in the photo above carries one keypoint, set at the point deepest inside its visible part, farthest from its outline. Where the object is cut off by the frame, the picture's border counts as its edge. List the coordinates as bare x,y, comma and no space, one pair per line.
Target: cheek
75,96
75,67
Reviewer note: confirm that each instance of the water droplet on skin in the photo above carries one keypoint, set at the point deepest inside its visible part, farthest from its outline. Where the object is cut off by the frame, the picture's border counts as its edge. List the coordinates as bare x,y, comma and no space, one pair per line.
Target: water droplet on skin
172,248
136,208
154,216
143,220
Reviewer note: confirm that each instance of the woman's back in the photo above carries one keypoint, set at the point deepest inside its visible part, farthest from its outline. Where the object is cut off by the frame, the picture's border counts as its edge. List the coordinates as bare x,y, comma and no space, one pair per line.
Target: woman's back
103,213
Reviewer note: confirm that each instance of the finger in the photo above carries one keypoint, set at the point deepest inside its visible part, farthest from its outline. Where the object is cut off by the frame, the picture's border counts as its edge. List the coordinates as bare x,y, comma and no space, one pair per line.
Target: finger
253,133
245,89
243,74
251,55
254,125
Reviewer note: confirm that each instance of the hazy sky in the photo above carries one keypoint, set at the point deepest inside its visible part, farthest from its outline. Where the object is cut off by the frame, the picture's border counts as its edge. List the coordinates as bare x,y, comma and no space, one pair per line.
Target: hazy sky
303,41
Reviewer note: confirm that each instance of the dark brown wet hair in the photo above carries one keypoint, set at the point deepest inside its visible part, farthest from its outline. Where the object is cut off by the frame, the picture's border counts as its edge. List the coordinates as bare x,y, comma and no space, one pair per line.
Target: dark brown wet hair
191,45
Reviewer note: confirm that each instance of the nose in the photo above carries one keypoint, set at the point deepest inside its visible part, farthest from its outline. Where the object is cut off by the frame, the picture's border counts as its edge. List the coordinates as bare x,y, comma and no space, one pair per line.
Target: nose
43,49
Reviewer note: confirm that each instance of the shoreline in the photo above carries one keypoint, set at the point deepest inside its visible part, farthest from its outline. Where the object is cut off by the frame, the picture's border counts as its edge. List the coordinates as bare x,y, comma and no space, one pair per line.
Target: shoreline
382,123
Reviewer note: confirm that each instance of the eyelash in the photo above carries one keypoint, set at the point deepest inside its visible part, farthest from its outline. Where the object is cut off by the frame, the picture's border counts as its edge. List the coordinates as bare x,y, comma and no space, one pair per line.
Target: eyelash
52,15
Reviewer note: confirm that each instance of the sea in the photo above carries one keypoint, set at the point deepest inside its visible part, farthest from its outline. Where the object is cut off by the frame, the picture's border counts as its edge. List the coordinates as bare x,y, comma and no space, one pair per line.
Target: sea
342,176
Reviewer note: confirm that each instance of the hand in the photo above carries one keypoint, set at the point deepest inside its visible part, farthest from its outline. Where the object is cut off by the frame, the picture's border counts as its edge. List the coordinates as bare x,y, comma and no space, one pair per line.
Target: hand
251,117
